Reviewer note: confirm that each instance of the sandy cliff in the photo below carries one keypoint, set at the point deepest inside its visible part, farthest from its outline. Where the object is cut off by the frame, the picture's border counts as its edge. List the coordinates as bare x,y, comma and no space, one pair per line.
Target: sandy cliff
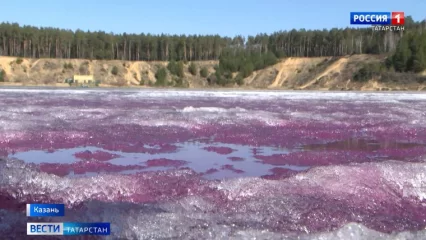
54,71
322,73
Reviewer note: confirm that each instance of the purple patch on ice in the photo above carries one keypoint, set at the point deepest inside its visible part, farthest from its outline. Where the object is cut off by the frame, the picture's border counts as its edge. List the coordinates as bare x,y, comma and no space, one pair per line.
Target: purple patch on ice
236,159
280,173
97,155
219,150
164,162
211,170
231,168
83,167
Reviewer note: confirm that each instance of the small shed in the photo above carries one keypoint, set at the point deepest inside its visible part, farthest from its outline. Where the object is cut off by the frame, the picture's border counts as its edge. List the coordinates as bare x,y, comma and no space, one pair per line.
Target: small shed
83,79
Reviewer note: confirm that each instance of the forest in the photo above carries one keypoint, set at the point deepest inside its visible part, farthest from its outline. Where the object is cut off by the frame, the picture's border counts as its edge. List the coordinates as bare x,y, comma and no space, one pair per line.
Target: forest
29,41
236,54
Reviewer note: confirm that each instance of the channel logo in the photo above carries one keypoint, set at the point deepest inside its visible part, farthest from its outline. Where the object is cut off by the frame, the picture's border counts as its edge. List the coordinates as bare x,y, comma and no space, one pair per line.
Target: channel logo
378,18
45,228
68,229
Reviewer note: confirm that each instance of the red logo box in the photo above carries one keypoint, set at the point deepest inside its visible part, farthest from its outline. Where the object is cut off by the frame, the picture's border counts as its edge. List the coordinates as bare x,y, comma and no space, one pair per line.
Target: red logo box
398,18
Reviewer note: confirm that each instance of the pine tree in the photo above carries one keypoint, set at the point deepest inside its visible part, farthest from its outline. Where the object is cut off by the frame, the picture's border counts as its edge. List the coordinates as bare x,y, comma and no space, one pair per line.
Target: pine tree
204,72
2,75
402,55
192,68
161,77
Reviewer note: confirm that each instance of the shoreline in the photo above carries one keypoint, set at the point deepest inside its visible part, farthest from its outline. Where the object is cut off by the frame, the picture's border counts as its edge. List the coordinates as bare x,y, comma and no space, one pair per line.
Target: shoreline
6,85
225,89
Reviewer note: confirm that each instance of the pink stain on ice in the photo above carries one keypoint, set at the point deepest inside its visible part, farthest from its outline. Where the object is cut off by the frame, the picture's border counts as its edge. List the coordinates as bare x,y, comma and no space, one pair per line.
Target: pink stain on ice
236,159
231,168
3,153
211,170
97,155
164,162
280,173
219,150
315,158
82,167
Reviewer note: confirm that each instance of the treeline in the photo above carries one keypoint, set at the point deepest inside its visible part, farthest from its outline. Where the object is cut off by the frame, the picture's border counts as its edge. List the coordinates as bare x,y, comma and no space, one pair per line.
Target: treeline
28,41
410,54
409,57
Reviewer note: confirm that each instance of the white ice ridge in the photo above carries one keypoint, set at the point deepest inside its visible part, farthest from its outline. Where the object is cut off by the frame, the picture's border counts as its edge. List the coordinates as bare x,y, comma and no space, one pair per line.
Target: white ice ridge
357,182
212,109
354,231
249,94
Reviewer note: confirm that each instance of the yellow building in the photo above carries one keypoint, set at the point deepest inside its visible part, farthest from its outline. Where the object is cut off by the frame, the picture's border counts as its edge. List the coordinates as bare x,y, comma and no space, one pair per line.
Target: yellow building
83,79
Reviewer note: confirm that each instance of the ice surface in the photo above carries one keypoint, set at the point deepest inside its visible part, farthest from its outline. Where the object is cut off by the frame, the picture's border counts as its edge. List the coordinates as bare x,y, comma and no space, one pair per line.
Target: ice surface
218,164
172,203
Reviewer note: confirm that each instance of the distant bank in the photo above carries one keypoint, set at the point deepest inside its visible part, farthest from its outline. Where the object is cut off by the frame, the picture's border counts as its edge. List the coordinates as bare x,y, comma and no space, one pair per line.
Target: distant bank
316,73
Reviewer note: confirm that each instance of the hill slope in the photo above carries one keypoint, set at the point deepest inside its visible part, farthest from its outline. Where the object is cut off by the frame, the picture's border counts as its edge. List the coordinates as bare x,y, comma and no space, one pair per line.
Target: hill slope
321,73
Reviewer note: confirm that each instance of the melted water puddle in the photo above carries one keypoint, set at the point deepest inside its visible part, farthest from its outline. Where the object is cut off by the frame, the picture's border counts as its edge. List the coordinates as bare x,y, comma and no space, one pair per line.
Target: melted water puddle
215,161
200,157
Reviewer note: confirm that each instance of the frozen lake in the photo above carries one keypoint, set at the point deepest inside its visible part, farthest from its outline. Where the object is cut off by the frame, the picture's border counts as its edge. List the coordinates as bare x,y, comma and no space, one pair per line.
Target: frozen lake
218,164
